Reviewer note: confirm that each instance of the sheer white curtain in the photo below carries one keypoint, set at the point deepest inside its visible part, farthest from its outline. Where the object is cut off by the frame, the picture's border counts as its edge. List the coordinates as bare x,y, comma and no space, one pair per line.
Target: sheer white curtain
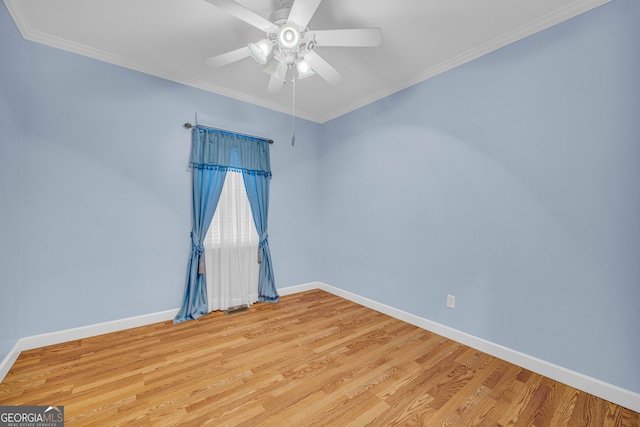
231,249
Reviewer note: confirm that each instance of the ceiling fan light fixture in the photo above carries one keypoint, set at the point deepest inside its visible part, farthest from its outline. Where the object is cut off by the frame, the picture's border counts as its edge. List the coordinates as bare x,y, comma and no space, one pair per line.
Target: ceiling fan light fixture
288,37
260,50
274,68
304,69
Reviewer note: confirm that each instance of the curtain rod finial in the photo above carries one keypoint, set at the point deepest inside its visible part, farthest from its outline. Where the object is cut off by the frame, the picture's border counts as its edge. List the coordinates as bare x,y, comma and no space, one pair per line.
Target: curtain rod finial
188,125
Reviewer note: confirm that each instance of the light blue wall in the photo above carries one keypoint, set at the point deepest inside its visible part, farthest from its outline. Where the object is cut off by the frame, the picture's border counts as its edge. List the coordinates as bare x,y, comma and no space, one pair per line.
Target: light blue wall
513,183
10,185
510,182
106,202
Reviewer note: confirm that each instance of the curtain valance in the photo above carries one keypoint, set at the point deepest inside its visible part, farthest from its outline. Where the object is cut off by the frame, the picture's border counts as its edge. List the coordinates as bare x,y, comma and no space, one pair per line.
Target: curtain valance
215,148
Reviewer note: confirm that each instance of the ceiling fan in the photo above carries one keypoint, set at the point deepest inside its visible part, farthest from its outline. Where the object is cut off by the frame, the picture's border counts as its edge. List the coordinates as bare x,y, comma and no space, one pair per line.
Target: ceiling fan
289,45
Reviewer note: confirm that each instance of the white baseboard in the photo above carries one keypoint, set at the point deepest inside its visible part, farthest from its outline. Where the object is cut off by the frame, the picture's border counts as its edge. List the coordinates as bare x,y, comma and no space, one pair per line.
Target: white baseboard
582,382
590,385
299,288
58,337
9,360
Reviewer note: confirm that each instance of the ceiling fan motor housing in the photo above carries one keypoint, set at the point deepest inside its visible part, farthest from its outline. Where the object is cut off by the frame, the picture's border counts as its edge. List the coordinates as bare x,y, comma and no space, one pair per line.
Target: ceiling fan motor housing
280,16
289,37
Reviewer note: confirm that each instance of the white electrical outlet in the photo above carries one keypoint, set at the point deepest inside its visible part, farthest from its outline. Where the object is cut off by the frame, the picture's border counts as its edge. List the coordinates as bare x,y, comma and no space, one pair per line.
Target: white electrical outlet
451,301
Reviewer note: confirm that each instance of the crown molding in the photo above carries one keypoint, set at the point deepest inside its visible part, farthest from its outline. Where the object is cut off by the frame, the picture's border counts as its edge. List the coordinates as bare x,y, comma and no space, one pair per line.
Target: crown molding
560,15
35,36
563,14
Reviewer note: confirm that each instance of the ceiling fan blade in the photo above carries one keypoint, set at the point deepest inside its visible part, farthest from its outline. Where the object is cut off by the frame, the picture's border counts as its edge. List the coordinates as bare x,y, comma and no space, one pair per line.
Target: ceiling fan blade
228,58
241,12
275,84
302,11
276,81
367,37
323,68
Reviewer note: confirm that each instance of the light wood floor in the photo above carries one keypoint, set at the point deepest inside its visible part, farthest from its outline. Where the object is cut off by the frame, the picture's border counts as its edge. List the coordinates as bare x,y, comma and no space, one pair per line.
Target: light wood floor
313,359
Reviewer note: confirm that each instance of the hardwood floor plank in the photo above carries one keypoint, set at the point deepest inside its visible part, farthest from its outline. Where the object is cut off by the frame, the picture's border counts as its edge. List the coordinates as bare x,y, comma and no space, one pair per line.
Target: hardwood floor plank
589,410
313,359
413,410
468,382
565,406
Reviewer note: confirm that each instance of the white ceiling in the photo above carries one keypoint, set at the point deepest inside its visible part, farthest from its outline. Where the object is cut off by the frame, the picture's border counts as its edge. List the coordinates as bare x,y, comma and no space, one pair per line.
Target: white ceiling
173,38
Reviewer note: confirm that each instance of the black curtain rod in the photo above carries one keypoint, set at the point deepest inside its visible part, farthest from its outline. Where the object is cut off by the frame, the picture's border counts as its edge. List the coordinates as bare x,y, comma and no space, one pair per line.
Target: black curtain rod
190,126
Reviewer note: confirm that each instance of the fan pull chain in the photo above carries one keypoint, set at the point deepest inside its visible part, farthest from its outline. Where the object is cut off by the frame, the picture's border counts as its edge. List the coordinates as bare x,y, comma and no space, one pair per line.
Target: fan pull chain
293,113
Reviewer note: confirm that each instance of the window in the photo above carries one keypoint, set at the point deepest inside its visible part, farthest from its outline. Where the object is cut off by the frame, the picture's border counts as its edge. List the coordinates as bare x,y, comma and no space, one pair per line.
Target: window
232,224
231,249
